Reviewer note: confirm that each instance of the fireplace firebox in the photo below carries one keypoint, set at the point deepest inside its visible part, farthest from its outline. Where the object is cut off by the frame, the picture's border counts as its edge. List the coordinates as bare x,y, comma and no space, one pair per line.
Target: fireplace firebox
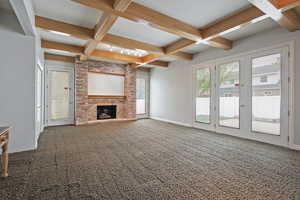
106,112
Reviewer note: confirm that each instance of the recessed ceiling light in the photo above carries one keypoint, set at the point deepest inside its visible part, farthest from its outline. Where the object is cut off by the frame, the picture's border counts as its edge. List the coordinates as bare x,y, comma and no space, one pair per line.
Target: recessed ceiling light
60,33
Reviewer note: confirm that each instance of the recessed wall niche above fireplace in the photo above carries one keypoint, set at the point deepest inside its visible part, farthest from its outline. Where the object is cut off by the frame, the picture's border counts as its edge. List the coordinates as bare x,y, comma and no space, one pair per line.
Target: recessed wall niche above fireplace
106,112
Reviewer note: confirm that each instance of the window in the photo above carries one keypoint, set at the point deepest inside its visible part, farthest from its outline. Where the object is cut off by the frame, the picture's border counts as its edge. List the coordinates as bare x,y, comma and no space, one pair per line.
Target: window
203,97
229,95
140,96
265,106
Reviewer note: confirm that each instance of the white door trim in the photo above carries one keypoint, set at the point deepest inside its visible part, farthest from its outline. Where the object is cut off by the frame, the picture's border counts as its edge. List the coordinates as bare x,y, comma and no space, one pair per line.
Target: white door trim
58,66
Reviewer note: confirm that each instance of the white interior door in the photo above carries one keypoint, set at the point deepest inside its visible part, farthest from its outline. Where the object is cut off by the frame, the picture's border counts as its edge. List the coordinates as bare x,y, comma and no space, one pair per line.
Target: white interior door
246,96
60,97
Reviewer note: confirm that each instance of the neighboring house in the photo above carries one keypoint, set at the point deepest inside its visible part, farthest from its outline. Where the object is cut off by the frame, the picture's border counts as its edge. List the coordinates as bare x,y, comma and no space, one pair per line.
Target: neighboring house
265,81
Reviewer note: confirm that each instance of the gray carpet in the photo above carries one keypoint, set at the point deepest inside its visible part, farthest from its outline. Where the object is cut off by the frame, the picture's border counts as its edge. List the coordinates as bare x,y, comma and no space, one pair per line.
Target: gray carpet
150,160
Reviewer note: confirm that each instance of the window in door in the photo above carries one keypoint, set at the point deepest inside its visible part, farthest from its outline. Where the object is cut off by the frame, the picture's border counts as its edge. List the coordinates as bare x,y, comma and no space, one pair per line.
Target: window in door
203,95
140,96
266,94
229,95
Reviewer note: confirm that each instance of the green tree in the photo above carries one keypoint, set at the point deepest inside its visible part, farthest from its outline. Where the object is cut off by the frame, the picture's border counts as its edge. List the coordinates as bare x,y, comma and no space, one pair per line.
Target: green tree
227,73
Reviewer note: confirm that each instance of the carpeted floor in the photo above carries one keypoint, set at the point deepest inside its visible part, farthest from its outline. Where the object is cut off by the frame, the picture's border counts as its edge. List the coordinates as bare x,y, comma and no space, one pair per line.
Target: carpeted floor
150,160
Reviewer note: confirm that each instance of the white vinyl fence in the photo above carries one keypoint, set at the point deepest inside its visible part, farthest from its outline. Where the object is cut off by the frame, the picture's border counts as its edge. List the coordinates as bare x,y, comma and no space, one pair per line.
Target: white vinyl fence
265,107
140,106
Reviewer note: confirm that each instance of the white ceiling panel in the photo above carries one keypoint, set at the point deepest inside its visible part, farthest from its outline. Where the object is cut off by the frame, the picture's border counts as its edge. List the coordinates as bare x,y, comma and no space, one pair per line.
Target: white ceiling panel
167,59
67,11
196,12
196,48
251,29
141,32
47,35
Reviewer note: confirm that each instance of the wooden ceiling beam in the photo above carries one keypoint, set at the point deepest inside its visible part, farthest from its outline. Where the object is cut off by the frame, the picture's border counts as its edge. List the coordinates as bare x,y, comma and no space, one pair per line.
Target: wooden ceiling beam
219,42
243,18
116,56
54,25
97,53
138,12
104,25
211,34
283,3
289,20
149,58
159,63
178,45
107,19
62,47
182,55
131,44
49,56
239,19
87,34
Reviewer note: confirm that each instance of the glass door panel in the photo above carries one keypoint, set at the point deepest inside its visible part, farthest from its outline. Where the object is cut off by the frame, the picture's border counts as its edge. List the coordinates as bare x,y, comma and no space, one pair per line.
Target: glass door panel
140,96
60,96
203,95
266,94
229,95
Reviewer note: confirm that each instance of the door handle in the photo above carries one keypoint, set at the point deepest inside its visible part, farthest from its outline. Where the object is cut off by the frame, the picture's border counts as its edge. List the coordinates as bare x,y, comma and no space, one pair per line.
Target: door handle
242,106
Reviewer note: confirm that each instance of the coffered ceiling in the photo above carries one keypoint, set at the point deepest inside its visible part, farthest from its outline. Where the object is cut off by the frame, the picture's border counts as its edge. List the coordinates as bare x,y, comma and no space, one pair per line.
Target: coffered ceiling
143,31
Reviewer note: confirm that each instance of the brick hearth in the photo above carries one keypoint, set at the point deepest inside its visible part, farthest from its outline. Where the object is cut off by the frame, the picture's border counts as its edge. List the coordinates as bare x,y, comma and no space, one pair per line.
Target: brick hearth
86,109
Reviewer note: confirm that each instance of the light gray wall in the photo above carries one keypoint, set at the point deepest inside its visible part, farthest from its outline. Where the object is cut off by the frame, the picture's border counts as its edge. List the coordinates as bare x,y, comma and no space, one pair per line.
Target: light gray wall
171,88
17,83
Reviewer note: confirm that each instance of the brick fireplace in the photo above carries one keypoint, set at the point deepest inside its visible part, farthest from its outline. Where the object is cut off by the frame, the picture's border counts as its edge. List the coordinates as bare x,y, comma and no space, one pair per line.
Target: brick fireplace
86,106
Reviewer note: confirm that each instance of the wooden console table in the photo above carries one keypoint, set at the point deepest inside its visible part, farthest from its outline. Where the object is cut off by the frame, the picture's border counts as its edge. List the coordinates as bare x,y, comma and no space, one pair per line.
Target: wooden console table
4,136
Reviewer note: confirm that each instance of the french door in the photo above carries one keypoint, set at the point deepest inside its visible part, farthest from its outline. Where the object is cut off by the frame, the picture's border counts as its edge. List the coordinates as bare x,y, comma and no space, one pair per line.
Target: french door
246,96
60,96
142,95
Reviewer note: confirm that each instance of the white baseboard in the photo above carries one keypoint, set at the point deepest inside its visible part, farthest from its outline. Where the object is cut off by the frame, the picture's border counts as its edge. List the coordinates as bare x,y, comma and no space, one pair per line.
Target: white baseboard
172,122
294,146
